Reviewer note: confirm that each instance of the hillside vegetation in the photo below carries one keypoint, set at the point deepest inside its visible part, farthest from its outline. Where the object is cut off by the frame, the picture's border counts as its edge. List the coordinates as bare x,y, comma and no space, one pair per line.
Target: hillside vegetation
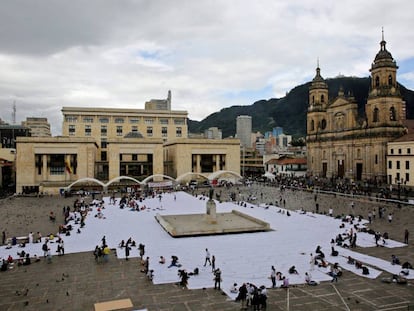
289,112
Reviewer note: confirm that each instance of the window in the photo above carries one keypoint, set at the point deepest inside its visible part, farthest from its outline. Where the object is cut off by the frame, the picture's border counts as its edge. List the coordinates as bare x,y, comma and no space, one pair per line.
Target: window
103,156
398,165
71,119
119,120
408,150
104,143
389,164
393,115
313,99
179,121
71,130
119,131
149,131
376,159
103,120
57,164
178,132
312,125
149,121
375,115
164,132
390,80
134,120
134,129
88,120
322,98
407,177
323,124
104,130
88,130
163,121
392,151
134,157
407,165
377,82
399,151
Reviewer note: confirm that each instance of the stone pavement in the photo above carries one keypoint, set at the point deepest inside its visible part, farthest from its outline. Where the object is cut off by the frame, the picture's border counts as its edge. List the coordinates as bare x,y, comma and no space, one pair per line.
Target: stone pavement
76,281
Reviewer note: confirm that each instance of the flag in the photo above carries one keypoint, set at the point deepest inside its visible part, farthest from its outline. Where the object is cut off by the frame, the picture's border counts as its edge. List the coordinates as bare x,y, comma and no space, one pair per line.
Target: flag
68,167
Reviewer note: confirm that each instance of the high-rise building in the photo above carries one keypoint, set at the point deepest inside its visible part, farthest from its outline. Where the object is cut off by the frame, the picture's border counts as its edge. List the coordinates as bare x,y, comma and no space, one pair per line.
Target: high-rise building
244,130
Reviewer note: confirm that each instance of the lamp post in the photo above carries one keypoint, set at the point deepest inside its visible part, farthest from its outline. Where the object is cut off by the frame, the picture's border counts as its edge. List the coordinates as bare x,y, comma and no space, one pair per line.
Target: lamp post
399,189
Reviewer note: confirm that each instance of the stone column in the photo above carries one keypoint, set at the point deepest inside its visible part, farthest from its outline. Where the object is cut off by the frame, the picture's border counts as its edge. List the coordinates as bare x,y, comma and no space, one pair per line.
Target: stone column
44,168
198,164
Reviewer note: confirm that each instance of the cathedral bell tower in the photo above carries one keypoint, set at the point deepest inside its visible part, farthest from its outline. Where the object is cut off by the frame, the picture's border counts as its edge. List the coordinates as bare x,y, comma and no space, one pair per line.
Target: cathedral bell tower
385,106
318,102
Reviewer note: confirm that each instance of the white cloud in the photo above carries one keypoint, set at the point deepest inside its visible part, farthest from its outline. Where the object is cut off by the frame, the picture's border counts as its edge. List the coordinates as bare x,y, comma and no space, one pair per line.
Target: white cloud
123,53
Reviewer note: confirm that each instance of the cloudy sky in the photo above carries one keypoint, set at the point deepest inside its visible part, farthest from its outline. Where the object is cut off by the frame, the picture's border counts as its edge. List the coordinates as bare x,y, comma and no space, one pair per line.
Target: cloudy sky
210,53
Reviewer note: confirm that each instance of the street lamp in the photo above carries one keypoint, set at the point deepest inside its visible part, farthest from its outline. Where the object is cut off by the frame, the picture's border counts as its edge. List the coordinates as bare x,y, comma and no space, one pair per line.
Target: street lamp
399,189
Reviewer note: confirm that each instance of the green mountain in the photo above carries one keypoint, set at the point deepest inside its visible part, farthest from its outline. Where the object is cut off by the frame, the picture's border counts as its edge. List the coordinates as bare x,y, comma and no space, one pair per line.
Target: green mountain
289,112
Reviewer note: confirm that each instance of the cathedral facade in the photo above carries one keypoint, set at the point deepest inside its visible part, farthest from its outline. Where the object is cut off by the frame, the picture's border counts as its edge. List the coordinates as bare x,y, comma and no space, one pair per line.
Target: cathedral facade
343,144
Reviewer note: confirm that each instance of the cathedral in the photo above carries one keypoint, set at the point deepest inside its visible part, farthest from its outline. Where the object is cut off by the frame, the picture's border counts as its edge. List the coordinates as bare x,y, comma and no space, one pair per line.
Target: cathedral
342,144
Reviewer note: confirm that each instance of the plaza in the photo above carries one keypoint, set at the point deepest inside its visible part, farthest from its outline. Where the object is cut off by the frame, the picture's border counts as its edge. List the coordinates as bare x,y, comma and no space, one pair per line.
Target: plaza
87,282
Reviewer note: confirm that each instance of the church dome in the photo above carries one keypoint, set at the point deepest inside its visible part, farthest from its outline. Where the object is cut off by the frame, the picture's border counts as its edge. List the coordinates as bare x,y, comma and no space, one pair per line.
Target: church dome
383,58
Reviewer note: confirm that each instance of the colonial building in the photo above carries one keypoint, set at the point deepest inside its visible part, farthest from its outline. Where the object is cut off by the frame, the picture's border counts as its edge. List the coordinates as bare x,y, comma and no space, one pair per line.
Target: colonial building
342,144
400,159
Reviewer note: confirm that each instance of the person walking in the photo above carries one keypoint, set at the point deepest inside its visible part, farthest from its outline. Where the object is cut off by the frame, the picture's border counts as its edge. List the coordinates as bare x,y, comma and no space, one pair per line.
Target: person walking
406,234
207,258
213,263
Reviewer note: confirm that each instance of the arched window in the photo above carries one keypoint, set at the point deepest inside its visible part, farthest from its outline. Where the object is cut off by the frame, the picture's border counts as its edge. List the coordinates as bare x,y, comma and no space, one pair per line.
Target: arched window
358,153
377,81
390,80
375,116
393,116
312,125
322,98
313,99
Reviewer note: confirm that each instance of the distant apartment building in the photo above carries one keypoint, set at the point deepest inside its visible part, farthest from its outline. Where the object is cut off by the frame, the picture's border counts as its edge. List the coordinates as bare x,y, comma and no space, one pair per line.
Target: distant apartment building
244,130
277,141
39,127
213,133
